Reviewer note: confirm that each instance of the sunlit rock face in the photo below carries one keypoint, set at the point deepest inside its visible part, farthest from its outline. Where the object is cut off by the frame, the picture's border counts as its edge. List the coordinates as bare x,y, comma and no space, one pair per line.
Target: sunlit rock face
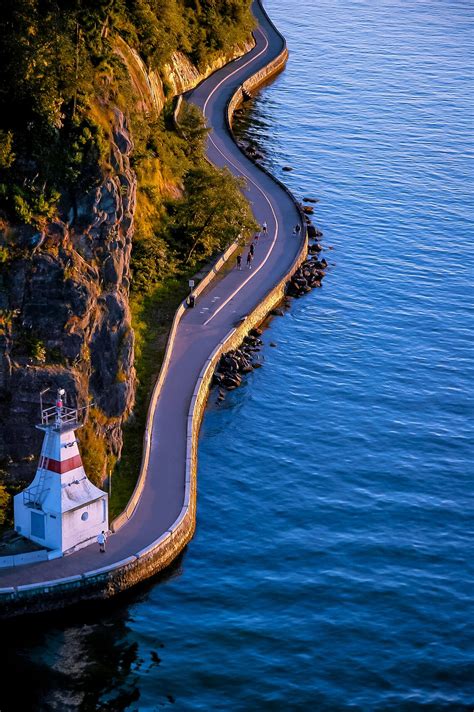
67,318
64,301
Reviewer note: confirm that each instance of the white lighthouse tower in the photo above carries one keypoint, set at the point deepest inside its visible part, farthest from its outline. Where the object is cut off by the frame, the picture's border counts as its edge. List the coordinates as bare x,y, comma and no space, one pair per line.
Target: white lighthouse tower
61,509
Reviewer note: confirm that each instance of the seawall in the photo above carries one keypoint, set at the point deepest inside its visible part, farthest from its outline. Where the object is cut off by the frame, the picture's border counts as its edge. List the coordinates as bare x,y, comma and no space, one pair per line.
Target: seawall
109,580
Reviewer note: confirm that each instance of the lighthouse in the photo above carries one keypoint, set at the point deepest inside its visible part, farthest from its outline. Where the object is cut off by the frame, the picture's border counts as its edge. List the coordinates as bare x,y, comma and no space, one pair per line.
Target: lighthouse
61,509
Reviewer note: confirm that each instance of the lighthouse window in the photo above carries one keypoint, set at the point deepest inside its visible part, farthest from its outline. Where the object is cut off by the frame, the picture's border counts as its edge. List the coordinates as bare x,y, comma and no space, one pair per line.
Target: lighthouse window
85,516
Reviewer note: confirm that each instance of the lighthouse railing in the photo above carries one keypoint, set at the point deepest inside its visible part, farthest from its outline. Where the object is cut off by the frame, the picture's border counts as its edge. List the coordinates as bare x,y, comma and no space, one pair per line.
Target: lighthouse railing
49,415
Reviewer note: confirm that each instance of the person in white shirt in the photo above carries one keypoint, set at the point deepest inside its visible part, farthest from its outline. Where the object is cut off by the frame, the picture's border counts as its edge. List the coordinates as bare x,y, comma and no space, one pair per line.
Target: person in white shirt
101,539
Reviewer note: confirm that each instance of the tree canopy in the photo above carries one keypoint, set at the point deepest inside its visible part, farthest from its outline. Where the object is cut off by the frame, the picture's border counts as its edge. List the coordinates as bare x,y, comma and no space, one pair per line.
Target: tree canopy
53,55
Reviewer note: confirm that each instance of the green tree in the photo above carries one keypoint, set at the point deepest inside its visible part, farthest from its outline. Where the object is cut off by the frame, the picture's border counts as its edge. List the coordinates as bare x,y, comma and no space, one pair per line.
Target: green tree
212,213
193,129
151,263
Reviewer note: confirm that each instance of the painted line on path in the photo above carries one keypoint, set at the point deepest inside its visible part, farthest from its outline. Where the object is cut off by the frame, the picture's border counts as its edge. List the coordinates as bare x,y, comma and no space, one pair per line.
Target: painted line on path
228,76
242,172
272,245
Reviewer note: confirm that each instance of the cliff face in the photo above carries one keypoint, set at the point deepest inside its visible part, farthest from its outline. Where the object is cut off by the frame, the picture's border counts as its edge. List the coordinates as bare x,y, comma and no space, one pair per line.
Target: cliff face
67,316
64,311
180,74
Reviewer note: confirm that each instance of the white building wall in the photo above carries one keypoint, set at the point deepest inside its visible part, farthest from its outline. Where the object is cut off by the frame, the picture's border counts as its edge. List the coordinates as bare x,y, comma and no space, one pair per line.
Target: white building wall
53,531
51,521
82,525
22,519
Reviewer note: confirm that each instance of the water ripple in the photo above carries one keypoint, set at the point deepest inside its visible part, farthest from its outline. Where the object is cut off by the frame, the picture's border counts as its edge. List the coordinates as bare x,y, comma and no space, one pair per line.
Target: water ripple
332,566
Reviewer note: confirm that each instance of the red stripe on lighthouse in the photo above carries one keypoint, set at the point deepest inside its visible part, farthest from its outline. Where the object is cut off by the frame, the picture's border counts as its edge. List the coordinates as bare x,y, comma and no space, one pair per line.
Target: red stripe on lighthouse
61,466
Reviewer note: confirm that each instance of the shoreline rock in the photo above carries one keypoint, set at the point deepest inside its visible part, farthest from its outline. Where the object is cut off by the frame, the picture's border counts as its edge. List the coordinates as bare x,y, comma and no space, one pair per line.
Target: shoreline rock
233,365
313,232
307,277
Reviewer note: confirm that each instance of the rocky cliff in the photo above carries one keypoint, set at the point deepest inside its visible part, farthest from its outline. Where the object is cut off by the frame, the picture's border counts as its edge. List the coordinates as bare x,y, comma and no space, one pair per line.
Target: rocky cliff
64,296
66,319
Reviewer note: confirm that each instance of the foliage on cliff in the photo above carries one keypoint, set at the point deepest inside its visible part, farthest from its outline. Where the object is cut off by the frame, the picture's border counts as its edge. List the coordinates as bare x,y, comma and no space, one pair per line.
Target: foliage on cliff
57,63
63,87
178,233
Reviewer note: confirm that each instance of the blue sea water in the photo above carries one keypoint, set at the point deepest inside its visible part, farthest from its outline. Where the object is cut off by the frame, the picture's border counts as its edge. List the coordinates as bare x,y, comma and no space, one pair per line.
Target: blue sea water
332,567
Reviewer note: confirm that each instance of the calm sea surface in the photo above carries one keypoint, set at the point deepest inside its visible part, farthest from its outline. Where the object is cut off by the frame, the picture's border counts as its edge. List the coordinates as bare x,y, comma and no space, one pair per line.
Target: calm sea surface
332,567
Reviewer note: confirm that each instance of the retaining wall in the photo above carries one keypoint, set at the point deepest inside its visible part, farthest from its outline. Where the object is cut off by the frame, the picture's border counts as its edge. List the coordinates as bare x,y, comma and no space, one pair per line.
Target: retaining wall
30,557
109,580
122,518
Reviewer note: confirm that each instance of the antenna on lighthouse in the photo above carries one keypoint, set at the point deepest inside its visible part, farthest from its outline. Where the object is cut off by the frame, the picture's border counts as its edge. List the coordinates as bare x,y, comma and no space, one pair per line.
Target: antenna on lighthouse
45,390
59,405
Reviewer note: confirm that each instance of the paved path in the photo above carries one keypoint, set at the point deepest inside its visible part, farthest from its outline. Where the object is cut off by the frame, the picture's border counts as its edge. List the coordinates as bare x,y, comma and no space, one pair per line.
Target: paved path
199,331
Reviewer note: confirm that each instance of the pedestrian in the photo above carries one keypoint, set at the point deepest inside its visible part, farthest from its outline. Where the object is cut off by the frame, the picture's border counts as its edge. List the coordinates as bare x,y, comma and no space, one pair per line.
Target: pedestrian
101,539
249,260
239,261
297,229
256,236
264,228
252,249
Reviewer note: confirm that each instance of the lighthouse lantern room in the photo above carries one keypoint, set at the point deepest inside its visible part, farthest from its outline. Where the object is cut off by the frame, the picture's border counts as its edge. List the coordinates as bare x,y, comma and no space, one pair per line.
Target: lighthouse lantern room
61,509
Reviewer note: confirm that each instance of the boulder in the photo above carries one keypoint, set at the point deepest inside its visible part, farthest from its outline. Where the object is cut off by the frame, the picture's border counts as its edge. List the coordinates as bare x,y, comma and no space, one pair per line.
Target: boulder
313,232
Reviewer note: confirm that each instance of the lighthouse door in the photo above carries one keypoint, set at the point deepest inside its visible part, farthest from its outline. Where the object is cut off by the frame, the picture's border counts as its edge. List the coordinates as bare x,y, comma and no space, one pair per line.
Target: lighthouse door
37,525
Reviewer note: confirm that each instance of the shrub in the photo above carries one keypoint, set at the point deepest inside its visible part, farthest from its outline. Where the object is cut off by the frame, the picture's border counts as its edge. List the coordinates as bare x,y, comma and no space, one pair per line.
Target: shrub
7,156
5,498
38,350
93,452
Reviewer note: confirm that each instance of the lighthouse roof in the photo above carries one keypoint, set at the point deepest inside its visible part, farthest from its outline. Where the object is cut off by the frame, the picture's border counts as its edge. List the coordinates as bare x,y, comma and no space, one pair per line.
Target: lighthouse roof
78,492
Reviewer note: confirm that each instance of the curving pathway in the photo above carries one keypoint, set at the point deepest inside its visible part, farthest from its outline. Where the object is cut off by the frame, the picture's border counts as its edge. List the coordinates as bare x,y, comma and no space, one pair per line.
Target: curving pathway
200,330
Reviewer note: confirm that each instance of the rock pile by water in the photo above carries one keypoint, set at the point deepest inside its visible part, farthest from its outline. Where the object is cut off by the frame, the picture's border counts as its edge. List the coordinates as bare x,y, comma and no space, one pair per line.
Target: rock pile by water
307,277
315,248
235,364
313,231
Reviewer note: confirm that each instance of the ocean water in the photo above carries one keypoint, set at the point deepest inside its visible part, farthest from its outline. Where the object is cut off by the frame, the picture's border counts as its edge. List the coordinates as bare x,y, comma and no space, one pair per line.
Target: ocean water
332,567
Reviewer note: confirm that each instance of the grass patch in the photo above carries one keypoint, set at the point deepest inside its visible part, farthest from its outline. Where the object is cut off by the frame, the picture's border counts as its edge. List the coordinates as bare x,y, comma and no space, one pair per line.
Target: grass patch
152,316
